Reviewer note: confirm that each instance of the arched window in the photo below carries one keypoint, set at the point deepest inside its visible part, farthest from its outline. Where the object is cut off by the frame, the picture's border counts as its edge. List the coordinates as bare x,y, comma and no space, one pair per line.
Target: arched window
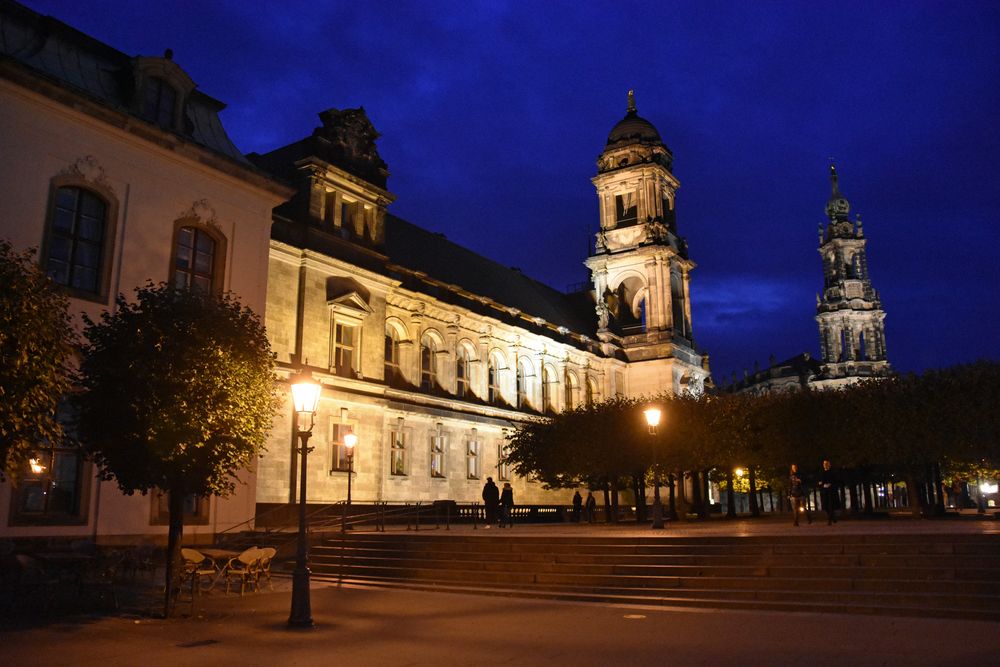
547,391
75,247
462,372
428,364
393,374
195,258
522,384
570,391
493,381
591,392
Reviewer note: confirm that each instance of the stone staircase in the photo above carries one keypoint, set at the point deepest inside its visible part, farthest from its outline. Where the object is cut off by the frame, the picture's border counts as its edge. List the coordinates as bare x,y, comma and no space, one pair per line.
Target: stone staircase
955,576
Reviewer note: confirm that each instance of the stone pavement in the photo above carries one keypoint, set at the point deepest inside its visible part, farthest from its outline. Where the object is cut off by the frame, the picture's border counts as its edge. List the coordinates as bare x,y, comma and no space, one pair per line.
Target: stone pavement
367,626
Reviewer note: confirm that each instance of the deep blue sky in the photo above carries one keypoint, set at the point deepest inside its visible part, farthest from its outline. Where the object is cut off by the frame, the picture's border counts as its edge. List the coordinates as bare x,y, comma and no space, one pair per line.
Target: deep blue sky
493,113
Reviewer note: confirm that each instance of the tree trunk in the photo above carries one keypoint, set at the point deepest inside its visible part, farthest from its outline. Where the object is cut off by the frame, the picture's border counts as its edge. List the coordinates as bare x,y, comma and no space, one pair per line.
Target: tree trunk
730,496
866,489
673,496
175,502
614,500
752,478
705,509
697,503
639,488
607,502
852,490
914,495
939,501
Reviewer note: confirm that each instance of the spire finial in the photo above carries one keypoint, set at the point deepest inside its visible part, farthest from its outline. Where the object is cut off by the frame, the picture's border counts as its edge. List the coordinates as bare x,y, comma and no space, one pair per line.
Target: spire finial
631,101
833,178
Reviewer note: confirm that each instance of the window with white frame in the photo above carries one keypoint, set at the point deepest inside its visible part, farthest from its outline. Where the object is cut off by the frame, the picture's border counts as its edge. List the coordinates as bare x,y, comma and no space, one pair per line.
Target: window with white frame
398,456
345,348
503,468
438,443
472,463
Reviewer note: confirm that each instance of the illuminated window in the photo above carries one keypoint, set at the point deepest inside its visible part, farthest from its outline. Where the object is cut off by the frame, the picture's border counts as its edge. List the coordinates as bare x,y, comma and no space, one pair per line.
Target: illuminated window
522,385
493,382
76,240
345,349
472,458
398,459
547,387
51,489
570,391
437,454
338,450
591,392
503,468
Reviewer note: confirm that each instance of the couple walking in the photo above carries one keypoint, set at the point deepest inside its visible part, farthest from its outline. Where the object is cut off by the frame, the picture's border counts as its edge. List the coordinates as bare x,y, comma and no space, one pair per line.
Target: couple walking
829,494
495,500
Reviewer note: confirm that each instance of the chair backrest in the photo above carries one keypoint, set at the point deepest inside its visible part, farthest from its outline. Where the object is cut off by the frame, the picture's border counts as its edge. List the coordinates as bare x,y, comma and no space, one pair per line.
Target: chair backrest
192,556
266,554
250,556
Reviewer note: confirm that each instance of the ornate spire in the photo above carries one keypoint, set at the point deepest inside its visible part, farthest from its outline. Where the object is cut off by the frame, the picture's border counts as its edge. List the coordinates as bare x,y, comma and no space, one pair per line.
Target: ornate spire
631,101
833,180
837,207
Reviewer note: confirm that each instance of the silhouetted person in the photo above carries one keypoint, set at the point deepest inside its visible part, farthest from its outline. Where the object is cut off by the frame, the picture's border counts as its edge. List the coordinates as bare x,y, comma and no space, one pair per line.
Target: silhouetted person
591,507
577,505
507,506
491,498
829,494
797,495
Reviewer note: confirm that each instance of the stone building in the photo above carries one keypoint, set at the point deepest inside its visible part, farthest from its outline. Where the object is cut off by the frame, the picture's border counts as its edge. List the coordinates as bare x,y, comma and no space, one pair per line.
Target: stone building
117,169
429,352
849,314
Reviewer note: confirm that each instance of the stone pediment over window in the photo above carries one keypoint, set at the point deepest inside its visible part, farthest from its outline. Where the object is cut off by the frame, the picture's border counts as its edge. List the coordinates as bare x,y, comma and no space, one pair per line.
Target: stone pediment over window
345,296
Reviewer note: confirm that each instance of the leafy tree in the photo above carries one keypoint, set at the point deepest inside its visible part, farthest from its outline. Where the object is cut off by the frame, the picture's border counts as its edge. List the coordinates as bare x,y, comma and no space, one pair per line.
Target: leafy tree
178,395
36,341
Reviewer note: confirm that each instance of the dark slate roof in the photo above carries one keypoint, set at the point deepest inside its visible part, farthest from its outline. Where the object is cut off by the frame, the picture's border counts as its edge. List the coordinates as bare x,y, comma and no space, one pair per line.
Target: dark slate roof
91,68
420,250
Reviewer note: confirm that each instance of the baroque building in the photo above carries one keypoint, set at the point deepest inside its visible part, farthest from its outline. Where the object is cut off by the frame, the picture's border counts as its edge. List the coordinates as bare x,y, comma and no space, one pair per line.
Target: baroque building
119,171
429,352
848,312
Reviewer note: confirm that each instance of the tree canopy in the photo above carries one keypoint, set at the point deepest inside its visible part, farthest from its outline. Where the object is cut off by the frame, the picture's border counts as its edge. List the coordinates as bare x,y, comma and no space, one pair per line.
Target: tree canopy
36,343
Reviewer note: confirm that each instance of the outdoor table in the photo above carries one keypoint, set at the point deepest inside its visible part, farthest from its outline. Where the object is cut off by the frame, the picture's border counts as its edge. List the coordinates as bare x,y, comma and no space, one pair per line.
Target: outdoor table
220,557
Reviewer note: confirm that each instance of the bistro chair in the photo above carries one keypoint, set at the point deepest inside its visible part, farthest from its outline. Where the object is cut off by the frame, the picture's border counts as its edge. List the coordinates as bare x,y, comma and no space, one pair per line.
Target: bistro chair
245,568
266,556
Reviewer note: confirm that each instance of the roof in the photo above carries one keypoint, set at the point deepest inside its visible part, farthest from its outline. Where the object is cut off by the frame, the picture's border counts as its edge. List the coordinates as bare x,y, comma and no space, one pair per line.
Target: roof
414,248
73,60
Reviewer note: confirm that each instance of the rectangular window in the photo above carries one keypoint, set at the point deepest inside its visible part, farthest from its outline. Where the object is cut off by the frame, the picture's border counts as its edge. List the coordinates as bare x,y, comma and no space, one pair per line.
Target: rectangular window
344,348
462,374
76,239
195,509
472,459
503,468
437,455
51,489
338,451
398,454
619,383
626,209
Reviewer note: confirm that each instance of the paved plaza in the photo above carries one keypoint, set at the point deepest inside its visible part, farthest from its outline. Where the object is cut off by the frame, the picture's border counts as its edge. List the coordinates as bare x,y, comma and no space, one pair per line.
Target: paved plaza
372,626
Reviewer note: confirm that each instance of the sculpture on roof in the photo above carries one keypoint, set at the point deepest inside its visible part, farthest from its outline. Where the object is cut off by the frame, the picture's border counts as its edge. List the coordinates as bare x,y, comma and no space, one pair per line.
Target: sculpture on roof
350,138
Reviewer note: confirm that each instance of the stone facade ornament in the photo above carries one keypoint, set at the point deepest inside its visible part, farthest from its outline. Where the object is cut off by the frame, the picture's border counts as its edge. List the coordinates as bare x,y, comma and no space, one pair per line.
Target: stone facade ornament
90,170
202,211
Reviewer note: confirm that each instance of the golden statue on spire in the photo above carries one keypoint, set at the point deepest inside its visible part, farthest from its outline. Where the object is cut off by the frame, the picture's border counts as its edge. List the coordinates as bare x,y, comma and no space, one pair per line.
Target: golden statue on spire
631,101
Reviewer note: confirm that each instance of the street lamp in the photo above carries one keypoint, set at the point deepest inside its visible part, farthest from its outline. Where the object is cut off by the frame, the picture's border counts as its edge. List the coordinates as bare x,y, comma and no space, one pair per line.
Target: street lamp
305,395
350,440
652,420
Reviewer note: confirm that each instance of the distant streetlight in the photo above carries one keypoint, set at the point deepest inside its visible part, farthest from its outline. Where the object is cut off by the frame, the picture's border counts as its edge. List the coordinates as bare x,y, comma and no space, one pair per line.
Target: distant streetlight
305,396
350,440
653,420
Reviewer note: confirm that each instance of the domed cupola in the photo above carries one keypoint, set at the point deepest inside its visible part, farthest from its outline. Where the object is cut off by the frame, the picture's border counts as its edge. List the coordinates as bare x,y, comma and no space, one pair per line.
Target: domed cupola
633,140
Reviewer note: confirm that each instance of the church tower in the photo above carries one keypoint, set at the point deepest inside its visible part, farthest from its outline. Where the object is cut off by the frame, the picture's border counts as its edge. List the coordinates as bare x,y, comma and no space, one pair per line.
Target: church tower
640,267
849,312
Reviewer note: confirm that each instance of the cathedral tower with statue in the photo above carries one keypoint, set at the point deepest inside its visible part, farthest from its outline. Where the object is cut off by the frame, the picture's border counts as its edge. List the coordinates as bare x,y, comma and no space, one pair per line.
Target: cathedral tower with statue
640,268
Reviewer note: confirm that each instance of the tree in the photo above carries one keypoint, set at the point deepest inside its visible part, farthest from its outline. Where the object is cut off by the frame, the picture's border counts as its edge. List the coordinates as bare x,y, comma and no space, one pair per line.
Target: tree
177,394
36,341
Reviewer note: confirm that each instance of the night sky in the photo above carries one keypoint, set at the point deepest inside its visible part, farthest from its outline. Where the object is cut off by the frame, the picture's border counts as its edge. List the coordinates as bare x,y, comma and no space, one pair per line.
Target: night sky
493,114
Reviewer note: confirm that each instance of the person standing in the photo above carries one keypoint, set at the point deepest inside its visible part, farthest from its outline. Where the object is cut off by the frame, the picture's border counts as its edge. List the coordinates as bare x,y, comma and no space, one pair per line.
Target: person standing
591,506
491,498
507,506
829,492
797,495
577,505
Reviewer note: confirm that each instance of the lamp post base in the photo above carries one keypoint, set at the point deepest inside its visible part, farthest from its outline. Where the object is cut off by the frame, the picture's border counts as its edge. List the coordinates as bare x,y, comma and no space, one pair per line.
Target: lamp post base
301,616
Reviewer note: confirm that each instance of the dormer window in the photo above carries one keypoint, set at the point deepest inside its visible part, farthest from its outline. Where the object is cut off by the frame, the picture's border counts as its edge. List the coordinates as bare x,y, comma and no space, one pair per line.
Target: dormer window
160,105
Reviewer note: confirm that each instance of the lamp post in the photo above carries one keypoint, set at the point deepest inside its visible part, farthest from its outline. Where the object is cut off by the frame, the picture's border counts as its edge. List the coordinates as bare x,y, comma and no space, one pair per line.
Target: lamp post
350,440
305,395
652,420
